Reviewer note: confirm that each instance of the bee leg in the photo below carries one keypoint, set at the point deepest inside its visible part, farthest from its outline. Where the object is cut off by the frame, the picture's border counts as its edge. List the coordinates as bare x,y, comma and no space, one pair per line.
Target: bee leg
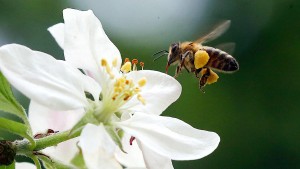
197,72
203,79
178,70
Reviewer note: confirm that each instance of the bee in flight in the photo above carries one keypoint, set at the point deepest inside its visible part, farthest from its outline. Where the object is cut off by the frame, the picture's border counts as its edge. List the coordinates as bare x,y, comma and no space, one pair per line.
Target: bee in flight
202,60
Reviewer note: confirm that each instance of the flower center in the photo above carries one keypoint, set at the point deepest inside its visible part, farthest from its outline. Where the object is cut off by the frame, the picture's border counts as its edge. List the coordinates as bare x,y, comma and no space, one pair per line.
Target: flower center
124,88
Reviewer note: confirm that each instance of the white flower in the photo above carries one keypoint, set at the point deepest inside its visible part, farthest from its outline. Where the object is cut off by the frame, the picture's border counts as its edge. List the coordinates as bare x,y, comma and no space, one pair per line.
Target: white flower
98,148
54,85
24,165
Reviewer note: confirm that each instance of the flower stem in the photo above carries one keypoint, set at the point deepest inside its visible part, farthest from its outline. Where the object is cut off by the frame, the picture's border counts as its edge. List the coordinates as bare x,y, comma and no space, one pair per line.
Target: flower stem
23,147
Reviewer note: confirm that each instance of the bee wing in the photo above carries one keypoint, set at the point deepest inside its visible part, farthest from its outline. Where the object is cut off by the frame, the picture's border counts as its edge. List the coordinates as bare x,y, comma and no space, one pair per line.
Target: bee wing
216,32
227,47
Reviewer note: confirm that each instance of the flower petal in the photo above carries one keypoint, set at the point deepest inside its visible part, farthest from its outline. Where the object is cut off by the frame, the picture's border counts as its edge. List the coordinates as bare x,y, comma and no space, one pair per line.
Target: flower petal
154,160
25,165
51,83
58,32
42,118
133,158
86,43
170,137
98,148
160,91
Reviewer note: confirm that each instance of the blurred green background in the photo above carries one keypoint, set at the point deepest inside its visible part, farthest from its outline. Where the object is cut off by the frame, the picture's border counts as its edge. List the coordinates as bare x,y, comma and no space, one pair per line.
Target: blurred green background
255,111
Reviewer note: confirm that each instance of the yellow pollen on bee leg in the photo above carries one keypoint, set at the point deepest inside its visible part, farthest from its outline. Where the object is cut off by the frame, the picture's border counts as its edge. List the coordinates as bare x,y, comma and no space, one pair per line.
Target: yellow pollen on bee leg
213,77
141,99
126,67
142,82
201,59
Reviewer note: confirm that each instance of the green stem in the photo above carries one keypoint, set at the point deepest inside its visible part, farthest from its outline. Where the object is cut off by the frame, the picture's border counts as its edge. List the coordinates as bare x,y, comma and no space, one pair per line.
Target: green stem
24,147
36,162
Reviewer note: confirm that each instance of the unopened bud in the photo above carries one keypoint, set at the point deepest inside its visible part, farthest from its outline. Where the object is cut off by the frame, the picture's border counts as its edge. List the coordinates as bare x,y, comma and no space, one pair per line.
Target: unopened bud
7,152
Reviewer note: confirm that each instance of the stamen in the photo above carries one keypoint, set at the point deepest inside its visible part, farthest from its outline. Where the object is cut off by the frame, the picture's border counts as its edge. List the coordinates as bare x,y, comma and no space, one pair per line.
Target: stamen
126,60
131,140
142,65
141,99
126,67
134,62
107,68
115,61
142,82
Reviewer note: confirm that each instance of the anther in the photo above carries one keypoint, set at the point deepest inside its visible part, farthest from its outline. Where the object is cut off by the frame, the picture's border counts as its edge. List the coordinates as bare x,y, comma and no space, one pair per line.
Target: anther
115,61
126,67
103,62
142,65
135,61
142,82
141,99
126,60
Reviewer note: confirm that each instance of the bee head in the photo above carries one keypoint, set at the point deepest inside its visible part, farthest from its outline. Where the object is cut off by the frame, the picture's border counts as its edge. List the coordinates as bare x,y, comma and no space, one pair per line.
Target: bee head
174,52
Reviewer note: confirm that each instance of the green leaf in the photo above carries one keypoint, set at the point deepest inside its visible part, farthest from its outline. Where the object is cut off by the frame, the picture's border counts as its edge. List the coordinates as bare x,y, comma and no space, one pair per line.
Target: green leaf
11,166
115,136
8,103
16,128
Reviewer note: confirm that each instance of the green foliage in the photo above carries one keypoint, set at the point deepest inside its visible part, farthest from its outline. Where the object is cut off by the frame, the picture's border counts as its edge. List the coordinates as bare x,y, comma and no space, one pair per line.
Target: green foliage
16,128
78,160
8,103
11,166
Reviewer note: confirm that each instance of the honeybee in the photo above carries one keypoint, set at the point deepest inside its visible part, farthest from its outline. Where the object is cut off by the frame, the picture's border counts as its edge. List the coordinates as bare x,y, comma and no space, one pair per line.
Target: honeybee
202,60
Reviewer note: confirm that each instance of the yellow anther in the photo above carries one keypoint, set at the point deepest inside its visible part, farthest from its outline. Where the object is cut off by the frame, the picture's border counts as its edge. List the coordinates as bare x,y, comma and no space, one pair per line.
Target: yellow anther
126,67
213,77
115,61
136,90
103,62
142,82
142,65
201,59
141,99
107,68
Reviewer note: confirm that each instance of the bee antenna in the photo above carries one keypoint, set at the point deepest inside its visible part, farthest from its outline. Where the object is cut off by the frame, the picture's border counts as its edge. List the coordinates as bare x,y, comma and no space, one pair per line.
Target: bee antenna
164,52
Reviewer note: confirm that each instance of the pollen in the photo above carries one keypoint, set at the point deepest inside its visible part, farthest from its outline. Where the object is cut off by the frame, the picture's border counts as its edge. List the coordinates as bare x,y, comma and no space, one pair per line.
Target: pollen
201,59
142,82
212,78
134,62
126,67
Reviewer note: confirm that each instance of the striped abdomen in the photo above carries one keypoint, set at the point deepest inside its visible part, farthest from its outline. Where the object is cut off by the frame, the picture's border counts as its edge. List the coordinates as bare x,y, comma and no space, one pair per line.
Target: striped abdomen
220,60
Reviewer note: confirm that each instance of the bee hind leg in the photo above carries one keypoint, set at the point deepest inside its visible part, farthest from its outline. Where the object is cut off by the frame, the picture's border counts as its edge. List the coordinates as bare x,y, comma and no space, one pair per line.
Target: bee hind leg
203,79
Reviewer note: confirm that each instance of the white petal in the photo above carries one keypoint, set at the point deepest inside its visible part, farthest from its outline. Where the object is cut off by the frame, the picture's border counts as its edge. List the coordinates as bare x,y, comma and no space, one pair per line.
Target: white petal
133,158
86,43
63,152
42,118
50,82
25,165
98,148
58,31
160,91
154,160
170,137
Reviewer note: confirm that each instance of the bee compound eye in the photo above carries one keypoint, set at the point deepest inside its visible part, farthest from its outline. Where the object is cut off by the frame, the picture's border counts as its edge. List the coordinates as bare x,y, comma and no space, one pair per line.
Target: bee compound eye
174,47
